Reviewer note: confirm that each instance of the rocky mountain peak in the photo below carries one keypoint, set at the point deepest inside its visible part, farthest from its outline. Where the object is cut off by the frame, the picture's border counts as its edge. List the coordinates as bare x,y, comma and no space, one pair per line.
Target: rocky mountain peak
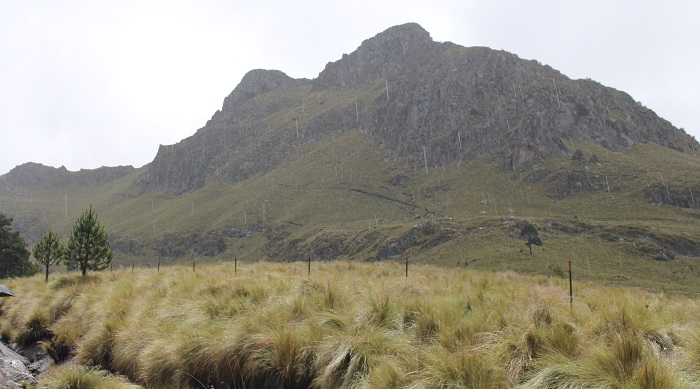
396,41
256,82
386,55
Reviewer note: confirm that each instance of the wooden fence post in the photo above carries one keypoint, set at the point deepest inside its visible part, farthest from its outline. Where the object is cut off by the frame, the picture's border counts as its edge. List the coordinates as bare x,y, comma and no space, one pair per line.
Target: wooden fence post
571,289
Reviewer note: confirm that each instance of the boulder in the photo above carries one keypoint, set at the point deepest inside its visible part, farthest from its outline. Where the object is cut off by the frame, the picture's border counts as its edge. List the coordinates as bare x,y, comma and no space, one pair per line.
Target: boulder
13,369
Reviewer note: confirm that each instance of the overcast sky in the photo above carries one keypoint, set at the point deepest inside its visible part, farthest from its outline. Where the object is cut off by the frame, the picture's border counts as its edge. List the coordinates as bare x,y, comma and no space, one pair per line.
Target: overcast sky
92,83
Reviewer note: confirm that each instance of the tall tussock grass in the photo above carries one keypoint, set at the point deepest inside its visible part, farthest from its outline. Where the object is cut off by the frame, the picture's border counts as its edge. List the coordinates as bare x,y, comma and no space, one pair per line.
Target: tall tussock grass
352,325
72,376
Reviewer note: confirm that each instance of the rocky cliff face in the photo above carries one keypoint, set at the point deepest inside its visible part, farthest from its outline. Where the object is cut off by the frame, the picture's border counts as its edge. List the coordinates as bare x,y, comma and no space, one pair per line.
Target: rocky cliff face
433,102
39,175
446,102
236,143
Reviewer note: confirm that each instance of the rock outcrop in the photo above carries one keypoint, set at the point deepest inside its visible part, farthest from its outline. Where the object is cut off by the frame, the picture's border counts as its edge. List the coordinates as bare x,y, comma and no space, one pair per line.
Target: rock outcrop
14,373
672,195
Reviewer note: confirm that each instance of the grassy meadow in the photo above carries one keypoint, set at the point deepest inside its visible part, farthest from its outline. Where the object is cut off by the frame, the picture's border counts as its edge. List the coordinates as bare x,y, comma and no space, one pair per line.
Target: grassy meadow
351,324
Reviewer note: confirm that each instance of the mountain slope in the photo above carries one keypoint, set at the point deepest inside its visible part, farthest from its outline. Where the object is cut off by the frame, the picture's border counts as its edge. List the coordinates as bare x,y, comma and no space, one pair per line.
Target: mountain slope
405,147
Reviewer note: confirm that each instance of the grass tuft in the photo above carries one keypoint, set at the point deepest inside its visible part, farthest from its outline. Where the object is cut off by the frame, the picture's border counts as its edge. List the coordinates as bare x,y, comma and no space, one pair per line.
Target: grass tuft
380,308
7,332
71,376
35,329
469,369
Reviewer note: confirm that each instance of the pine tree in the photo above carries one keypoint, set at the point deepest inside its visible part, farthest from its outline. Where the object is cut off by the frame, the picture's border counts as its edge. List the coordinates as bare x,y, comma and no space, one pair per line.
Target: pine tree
49,251
529,232
88,244
14,256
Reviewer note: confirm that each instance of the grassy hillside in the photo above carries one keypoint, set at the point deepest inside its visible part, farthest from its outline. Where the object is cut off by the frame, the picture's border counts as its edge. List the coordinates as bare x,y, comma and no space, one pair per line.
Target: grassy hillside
345,198
352,324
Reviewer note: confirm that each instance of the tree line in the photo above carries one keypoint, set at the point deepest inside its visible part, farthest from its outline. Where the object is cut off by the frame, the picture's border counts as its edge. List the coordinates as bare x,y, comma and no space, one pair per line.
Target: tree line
87,248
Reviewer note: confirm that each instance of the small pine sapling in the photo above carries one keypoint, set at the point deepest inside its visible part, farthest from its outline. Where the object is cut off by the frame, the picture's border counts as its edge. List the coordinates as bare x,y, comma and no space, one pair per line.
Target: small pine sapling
88,244
48,251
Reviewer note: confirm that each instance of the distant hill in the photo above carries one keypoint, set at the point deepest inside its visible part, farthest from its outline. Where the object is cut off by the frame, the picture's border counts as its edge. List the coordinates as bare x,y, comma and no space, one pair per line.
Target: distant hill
404,147
39,175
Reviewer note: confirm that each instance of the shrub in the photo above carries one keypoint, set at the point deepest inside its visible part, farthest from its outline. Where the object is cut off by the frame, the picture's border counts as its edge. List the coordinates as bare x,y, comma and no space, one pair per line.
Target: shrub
557,270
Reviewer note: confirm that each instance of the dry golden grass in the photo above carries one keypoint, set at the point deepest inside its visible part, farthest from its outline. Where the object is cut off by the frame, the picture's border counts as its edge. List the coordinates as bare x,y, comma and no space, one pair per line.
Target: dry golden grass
355,325
71,376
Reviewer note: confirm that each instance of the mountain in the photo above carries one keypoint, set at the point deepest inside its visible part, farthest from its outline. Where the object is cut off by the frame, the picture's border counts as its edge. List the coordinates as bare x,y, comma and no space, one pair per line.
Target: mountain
435,103
404,147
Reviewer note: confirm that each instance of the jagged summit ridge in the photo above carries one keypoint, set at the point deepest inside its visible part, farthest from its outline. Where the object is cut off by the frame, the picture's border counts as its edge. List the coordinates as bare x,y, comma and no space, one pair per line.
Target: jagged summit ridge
39,175
433,102
390,53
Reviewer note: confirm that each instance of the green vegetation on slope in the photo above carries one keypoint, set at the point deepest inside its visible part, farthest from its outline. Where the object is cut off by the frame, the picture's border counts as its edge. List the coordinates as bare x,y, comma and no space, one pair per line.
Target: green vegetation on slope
345,198
351,324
